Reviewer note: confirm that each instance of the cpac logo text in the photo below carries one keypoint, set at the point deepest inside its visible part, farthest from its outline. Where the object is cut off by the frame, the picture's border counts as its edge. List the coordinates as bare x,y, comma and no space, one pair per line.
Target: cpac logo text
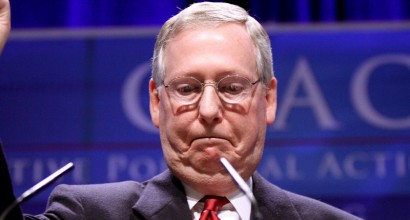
303,78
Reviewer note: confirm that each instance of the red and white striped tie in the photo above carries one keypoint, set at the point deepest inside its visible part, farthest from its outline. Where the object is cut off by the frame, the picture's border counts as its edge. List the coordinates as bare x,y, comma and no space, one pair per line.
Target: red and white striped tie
212,206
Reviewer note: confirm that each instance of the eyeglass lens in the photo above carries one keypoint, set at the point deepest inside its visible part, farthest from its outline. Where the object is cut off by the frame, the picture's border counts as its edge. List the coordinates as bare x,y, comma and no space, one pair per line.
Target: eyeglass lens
188,90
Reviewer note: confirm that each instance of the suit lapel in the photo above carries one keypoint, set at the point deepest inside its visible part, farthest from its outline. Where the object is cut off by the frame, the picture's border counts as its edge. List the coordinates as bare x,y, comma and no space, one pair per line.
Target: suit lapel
273,201
163,198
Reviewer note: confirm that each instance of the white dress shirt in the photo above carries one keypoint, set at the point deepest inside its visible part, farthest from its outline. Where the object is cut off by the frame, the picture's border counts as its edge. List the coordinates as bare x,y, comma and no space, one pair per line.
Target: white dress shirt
239,207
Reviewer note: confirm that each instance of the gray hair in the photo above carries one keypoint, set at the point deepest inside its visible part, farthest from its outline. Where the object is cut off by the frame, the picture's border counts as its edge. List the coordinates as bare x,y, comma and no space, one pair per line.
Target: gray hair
213,14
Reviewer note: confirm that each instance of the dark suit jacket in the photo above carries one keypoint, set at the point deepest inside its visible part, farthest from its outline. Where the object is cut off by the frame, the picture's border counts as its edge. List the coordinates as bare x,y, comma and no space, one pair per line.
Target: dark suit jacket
6,189
163,197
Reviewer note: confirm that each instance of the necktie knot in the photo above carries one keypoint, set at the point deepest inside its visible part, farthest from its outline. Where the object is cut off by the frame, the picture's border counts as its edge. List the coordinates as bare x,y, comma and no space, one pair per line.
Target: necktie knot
212,206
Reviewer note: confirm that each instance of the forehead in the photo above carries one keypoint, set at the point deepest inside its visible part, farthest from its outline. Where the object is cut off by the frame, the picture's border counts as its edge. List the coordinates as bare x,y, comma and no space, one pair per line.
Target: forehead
210,50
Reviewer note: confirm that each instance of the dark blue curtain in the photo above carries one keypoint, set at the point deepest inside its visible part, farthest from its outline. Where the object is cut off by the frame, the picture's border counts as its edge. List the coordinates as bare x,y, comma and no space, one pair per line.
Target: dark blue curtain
98,13
92,13
330,10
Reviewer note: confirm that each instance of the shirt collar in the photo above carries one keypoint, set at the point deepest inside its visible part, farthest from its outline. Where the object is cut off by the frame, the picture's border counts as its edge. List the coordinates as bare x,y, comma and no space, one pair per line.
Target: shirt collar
239,201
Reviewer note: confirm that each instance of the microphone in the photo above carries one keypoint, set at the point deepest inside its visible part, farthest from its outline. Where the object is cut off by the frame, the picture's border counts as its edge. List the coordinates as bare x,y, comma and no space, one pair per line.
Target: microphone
37,188
242,186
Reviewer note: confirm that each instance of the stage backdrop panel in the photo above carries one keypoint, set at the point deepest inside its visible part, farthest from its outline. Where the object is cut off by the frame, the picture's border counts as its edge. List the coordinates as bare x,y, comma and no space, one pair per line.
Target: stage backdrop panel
342,131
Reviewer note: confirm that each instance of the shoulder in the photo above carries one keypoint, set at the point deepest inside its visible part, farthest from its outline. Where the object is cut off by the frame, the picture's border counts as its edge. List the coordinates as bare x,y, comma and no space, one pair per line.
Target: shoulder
88,201
126,191
314,209
280,202
101,189
119,200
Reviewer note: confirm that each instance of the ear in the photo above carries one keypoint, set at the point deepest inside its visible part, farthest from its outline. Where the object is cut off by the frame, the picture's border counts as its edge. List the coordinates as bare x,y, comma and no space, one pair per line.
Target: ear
154,103
271,101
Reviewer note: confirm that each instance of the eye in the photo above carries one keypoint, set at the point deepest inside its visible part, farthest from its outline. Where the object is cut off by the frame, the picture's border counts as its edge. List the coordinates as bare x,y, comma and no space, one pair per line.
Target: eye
185,89
232,88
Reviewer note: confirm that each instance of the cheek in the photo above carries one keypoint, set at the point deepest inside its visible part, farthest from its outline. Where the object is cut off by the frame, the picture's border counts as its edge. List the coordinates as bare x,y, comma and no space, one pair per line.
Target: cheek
254,125
167,118
255,119
174,127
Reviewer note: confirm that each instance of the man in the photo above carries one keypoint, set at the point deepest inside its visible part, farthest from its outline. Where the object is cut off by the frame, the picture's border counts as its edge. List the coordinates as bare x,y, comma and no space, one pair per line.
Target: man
4,22
212,94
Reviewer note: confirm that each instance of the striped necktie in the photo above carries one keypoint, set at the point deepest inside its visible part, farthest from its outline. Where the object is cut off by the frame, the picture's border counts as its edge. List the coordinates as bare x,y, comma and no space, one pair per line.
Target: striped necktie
212,206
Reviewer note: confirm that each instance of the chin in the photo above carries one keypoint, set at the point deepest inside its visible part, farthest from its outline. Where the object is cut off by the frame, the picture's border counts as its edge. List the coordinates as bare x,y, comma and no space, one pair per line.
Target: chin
225,186
205,183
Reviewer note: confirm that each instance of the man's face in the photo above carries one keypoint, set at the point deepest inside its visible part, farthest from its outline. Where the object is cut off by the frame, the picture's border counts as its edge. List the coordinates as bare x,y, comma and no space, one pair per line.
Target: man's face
194,137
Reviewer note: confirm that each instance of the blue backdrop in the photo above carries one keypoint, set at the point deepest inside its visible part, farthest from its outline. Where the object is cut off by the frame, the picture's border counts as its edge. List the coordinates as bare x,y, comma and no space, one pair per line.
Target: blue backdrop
342,131
86,13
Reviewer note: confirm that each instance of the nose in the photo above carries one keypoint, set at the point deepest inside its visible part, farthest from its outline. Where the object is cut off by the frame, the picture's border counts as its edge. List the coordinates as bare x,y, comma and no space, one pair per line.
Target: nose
209,105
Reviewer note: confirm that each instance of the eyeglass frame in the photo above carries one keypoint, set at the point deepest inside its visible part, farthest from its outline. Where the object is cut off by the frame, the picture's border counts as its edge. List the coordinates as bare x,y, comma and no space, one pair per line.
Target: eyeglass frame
214,84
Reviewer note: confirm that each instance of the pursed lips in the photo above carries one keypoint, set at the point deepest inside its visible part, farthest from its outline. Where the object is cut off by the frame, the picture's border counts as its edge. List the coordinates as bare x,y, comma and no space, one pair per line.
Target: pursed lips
210,140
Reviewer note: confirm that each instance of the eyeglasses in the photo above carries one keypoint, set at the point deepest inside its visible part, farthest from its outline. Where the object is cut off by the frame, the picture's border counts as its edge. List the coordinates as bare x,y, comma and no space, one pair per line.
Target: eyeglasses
188,90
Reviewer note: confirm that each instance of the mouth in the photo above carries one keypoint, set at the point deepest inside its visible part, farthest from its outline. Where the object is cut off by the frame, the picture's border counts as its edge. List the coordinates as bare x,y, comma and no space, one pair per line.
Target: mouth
210,142
209,139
